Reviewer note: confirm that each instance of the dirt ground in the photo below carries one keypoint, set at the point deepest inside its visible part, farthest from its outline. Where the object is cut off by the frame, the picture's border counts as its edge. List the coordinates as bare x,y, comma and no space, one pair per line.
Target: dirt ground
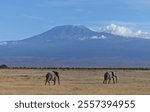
73,82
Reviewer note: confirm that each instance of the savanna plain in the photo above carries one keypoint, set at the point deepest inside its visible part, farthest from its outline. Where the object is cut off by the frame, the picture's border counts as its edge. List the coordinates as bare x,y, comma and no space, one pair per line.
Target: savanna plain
74,82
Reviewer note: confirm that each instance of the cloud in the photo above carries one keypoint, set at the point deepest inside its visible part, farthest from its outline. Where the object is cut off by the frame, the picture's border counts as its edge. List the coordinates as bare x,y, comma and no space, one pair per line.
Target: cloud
137,4
55,3
95,24
3,43
98,37
93,37
70,3
32,17
125,31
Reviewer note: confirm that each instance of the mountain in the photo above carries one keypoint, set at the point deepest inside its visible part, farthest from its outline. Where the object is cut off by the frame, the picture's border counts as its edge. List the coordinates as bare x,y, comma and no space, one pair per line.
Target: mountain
76,46
66,32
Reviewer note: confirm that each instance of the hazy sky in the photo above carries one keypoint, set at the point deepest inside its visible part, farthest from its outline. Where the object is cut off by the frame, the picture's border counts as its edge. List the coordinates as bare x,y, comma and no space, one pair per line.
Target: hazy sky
24,18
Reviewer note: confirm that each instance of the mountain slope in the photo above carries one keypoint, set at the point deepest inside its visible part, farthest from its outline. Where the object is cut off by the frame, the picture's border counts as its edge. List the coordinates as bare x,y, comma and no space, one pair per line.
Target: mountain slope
66,32
71,45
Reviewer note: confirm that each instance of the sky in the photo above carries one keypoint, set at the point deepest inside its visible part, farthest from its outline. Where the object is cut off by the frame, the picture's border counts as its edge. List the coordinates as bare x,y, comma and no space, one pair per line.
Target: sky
21,19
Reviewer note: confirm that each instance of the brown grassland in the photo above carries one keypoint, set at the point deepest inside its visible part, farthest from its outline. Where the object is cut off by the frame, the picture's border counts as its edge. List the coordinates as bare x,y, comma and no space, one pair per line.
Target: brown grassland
74,82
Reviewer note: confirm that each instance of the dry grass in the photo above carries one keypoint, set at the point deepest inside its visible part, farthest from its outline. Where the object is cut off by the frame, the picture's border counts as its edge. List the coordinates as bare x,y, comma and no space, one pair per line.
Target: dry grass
31,82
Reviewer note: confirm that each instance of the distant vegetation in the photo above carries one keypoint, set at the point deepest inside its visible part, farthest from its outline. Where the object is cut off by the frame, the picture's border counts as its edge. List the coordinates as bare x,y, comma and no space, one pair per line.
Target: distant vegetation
87,68
4,66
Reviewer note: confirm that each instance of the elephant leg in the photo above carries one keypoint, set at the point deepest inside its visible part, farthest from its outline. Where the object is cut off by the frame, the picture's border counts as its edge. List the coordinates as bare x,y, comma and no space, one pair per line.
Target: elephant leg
104,81
49,82
116,79
113,80
54,82
45,82
109,81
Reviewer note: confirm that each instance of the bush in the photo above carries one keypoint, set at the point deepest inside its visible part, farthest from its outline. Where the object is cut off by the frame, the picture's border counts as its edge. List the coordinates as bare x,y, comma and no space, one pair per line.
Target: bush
3,66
